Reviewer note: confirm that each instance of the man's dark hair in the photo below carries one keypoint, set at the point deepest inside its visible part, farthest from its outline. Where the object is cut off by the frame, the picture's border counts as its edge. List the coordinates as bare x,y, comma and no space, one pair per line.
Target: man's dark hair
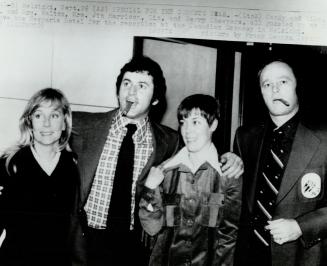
152,68
208,106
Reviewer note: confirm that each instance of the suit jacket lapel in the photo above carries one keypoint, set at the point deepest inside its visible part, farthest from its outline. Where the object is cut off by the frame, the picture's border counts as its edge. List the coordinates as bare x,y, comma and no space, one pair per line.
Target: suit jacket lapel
95,138
257,152
304,146
157,156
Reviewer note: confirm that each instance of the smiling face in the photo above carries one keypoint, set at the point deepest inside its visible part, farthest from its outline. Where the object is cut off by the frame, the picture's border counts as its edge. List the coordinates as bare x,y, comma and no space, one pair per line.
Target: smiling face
196,131
136,87
278,88
48,122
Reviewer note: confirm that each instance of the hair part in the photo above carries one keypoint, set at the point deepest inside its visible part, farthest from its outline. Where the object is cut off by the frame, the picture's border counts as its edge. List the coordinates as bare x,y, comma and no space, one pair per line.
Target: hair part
207,105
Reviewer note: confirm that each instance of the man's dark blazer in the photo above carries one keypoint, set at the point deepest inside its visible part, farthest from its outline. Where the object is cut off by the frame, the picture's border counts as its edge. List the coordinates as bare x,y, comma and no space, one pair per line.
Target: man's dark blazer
308,158
90,131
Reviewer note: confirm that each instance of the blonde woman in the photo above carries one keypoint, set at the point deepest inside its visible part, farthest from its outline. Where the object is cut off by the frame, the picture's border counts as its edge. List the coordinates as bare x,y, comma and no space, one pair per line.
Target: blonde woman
39,176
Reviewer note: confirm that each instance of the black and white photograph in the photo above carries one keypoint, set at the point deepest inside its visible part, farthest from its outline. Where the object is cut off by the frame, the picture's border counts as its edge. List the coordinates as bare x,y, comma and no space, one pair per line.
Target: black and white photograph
208,115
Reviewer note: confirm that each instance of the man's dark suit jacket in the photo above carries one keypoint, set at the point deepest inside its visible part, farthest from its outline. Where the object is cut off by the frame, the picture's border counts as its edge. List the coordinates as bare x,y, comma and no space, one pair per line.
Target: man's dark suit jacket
308,160
90,131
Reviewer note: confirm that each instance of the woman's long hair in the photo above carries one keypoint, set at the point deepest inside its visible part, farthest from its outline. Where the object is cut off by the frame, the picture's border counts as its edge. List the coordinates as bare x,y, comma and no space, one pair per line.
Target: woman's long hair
57,99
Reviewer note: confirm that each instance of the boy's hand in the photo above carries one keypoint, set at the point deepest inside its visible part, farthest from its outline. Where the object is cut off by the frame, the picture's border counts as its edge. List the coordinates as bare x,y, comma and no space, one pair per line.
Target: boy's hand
232,165
155,177
1,188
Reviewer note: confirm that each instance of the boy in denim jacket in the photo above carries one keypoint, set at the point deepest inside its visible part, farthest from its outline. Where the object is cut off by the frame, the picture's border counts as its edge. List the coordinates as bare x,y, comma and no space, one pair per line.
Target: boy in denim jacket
192,208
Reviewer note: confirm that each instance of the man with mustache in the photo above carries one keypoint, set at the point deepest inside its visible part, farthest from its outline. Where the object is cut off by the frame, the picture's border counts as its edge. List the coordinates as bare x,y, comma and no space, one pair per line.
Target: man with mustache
111,186
284,215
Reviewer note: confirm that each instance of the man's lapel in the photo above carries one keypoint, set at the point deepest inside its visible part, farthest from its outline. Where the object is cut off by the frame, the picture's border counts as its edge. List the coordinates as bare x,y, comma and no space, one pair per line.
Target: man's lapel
304,147
94,139
257,151
159,150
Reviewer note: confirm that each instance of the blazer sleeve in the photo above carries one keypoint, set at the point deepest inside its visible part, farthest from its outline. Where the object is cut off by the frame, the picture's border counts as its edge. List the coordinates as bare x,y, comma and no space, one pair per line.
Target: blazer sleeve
313,226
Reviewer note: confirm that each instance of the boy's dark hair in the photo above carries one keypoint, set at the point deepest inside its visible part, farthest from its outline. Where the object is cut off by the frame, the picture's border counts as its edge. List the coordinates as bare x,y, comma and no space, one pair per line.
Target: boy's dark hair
208,106
146,64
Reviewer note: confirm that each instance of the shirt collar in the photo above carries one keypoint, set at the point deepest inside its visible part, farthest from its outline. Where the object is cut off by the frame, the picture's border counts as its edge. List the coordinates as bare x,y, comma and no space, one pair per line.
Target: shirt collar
287,127
119,123
182,157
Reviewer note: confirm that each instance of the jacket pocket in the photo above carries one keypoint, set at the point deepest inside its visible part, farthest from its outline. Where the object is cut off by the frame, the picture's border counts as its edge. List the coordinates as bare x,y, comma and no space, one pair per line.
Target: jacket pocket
211,206
172,211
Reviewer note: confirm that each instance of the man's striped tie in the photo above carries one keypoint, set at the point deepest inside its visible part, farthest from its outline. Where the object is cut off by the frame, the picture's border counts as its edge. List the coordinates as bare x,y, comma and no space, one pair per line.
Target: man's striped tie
267,191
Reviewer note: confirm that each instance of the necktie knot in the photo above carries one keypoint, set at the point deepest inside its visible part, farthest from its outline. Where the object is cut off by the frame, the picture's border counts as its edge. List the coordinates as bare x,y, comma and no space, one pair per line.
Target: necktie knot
131,128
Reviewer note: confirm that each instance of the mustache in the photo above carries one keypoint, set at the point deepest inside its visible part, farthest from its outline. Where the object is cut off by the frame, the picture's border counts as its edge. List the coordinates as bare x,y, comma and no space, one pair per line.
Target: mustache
282,101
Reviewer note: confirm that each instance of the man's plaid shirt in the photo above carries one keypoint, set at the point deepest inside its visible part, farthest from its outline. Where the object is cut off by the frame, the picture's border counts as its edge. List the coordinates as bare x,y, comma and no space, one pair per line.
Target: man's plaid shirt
97,204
